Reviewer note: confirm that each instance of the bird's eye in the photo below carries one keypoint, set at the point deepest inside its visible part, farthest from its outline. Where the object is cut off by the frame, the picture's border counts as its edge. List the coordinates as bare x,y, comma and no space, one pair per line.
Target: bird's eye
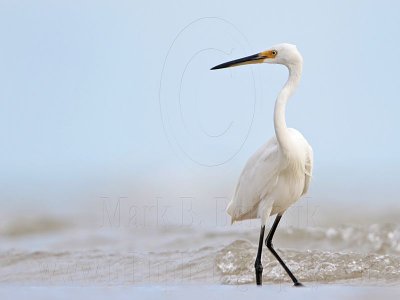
274,52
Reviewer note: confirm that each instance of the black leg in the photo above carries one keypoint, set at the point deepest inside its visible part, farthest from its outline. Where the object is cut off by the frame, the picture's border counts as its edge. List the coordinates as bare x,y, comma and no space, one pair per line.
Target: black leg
258,265
268,243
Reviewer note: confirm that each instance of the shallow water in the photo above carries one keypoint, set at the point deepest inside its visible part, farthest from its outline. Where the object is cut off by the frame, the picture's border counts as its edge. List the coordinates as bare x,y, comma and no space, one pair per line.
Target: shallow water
55,251
201,292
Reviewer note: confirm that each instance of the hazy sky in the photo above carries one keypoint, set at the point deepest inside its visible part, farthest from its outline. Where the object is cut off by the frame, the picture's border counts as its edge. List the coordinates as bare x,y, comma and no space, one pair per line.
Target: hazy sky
122,89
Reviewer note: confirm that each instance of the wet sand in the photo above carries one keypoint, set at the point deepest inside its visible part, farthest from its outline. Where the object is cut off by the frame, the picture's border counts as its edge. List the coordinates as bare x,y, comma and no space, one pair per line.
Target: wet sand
211,292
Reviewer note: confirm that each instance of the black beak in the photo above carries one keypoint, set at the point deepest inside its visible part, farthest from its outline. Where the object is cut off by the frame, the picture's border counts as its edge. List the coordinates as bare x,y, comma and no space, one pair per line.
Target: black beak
252,59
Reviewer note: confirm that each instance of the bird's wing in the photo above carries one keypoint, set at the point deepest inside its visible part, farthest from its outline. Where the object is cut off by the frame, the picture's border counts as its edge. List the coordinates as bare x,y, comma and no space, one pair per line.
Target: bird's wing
256,181
308,168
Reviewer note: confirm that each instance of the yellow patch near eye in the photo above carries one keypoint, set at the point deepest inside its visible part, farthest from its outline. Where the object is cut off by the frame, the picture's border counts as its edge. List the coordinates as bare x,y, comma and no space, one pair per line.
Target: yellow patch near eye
269,54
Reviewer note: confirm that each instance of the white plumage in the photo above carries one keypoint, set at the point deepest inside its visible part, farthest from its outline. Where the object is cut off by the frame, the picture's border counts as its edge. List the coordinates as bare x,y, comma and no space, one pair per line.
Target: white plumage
271,180
279,173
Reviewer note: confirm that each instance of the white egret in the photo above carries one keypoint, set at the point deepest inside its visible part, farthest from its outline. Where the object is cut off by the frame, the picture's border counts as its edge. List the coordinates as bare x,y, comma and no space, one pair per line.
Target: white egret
279,173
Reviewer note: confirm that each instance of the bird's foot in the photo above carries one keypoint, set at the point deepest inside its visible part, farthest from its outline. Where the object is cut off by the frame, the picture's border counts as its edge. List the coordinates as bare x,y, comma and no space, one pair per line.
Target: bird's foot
259,271
298,284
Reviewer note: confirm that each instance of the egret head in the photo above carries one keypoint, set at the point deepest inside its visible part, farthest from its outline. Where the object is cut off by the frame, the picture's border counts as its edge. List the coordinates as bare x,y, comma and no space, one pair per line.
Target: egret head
284,54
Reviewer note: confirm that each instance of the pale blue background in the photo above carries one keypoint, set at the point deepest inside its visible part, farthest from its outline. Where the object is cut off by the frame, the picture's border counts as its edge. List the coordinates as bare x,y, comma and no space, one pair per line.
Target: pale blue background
80,110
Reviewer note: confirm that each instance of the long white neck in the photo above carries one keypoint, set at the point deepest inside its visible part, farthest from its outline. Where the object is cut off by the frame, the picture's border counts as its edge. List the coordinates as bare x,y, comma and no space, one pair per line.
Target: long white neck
281,130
